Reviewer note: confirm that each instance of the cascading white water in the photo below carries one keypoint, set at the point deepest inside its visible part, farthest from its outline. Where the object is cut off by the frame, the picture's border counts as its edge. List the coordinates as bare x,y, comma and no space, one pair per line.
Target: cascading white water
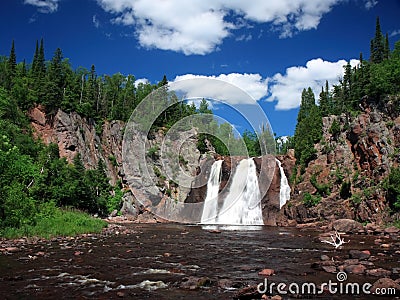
242,205
284,194
210,208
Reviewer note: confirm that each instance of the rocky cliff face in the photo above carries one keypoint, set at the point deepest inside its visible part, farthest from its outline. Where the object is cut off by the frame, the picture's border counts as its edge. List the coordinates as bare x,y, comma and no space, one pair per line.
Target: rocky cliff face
353,158
74,134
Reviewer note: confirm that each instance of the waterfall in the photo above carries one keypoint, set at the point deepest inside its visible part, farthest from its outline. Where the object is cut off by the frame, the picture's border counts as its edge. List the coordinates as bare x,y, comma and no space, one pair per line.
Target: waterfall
210,208
284,194
242,205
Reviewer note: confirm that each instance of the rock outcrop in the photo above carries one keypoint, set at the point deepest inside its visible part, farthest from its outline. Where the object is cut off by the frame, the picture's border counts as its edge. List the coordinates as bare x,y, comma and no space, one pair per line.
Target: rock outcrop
350,167
74,134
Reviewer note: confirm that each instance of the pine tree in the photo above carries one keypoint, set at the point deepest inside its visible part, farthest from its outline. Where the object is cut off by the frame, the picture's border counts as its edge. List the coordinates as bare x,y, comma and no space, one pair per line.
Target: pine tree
41,66
386,53
377,44
11,66
308,129
33,70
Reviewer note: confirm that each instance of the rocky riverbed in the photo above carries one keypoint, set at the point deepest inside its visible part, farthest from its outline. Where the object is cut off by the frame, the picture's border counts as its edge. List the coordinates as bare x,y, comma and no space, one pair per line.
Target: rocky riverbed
170,261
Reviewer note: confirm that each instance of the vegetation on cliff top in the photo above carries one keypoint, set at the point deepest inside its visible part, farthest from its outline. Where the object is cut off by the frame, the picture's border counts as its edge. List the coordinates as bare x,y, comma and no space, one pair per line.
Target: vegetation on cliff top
362,86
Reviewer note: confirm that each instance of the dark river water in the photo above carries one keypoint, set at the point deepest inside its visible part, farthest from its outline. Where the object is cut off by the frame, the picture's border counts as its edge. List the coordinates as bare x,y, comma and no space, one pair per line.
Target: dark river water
166,261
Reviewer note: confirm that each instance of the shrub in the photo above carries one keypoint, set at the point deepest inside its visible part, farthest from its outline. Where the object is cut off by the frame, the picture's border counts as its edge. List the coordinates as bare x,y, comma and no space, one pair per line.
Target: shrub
392,186
153,152
311,200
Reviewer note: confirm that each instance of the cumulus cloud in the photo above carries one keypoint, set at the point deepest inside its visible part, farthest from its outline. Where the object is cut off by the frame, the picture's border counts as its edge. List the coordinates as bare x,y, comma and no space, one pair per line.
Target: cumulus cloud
370,3
141,80
199,27
394,33
286,89
44,6
233,88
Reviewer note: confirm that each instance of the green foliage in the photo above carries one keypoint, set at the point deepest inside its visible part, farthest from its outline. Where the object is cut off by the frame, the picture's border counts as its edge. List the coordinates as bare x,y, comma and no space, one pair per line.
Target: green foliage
311,200
322,189
308,129
182,161
335,129
153,152
392,187
114,201
56,222
356,199
113,160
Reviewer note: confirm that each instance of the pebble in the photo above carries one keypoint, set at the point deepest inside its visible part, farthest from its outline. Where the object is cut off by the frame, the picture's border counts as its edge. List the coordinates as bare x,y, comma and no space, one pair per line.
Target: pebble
266,272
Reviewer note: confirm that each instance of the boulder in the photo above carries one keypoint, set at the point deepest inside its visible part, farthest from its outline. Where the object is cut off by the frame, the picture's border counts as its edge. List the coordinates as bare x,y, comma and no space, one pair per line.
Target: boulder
347,226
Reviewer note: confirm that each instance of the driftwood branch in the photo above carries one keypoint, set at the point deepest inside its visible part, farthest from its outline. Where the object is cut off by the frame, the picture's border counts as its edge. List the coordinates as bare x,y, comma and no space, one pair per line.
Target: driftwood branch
337,240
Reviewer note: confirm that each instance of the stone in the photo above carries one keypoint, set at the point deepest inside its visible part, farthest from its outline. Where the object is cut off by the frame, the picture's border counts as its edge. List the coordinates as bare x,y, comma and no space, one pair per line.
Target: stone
396,271
248,292
324,257
355,269
329,269
351,261
347,225
385,283
392,230
380,272
266,272
359,254
194,283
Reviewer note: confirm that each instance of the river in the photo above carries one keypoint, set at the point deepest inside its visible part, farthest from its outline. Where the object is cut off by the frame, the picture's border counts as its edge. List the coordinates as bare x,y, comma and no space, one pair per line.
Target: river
170,261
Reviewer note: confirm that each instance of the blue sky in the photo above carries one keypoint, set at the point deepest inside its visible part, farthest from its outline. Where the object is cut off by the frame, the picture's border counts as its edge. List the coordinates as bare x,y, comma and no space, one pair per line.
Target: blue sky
271,49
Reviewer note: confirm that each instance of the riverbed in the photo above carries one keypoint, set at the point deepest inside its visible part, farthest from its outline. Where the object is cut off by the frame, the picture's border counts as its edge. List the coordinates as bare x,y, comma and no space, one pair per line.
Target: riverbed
171,261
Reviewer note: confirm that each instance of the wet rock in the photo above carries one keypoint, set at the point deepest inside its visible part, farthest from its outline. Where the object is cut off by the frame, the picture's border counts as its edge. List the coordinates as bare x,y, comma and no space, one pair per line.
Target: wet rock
225,284
347,225
329,269
359,254
352,261
194,283
324,257
385,283
379,272
247,293
392,230
121,294
9,249
355,269
266,272
396,271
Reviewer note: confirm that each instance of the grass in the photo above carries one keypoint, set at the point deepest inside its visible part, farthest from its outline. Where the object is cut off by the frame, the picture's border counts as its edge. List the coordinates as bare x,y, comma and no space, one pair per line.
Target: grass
395,223
63,222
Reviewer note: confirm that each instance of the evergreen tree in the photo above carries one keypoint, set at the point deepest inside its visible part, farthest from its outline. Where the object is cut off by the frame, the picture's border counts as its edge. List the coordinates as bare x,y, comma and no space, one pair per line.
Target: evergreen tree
377,44
308,129
11,66
386,52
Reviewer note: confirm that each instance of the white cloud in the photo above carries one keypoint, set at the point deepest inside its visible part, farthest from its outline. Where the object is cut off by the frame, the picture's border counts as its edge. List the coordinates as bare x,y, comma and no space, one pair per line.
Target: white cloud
95,21
141,80
286,89
200,26
233,88
394,33
370,3
44,6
